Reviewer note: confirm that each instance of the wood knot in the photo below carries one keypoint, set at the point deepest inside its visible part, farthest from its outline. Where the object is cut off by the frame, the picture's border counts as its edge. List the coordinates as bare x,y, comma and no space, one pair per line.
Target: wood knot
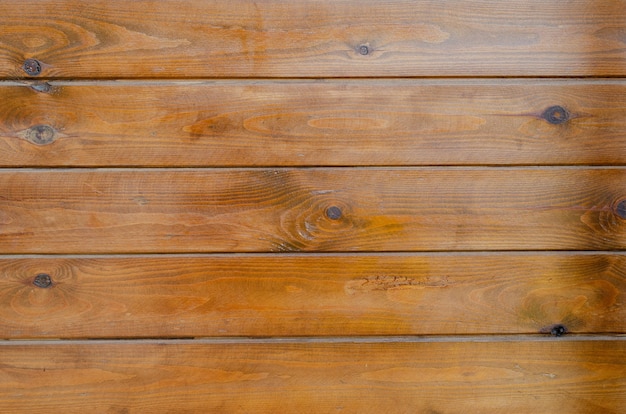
558,330
42,280
620,209
364,50
334,213
554,330
32,67
43,87
556,115
41,134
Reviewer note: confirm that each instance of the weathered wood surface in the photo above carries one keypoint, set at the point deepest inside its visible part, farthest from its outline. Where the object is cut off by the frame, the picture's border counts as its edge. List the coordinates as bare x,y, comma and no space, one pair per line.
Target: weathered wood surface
317,209
311,38
313,123
570,376
312,295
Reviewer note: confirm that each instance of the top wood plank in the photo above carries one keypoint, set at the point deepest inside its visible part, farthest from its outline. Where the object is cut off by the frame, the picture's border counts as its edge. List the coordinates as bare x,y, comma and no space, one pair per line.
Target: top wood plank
311,38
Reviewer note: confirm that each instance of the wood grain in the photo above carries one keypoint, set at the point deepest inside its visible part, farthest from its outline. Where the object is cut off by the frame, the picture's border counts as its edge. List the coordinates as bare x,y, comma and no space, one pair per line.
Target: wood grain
312,38
313,295
312,123
446,377
316,209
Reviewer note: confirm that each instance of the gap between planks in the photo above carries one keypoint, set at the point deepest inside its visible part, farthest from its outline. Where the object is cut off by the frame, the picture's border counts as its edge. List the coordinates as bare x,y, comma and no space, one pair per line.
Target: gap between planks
70,80
438,253
426,168
417,81
321,340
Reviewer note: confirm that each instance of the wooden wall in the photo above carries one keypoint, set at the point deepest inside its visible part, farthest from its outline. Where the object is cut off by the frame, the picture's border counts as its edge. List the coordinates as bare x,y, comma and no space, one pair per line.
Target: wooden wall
309,206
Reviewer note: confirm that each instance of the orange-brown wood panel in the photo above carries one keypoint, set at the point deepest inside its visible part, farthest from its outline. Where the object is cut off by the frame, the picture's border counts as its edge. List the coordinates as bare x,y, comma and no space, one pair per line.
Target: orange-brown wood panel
315,209
312,123
311,38
405,206
525,376
311,295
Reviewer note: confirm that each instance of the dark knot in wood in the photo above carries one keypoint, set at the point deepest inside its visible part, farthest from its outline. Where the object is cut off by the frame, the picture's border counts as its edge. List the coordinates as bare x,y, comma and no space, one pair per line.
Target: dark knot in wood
42,280
41,87
32,67
333,213
364,50
558,330
555,115
41,134
620,209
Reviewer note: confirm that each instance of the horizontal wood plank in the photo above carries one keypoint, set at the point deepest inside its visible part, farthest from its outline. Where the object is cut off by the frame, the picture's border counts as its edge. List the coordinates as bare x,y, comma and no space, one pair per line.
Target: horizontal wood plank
313,295
448,377
316,209
302,123
311,38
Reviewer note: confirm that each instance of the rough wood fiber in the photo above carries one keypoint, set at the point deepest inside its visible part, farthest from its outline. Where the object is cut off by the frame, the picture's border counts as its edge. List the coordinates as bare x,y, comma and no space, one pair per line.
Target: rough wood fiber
316,295
312,123
312,38
319,209
444,377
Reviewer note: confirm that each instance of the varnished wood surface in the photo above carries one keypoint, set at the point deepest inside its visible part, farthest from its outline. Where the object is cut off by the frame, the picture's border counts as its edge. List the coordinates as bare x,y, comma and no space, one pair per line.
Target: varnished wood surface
445,377
312,123
388,282
318,209
314,295
311,38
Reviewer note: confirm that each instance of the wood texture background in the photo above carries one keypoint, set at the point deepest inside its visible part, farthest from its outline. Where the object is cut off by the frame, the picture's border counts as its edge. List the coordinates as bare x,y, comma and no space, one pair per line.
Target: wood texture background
312,206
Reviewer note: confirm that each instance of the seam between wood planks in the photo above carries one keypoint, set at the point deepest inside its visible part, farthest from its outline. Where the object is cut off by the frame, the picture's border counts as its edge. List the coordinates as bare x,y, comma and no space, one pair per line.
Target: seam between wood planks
320,340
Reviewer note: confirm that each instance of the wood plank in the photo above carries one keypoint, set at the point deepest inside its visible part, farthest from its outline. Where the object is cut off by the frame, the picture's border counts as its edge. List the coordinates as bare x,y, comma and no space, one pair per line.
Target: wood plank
285,295
311,38
312,123
447,377
315,209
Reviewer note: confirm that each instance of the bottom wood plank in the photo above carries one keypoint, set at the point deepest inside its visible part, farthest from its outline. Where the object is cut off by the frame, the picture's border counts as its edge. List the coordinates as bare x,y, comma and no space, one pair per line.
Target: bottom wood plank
563,375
